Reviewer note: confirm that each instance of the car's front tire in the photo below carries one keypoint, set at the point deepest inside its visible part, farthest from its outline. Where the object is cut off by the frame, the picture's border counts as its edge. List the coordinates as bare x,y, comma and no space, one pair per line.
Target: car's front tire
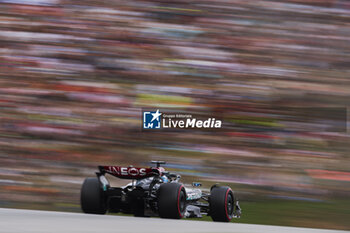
221,204
92,199
171,200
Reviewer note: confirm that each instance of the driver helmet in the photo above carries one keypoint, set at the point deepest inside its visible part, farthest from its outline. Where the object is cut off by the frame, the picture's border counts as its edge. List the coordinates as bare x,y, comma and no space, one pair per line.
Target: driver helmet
165,179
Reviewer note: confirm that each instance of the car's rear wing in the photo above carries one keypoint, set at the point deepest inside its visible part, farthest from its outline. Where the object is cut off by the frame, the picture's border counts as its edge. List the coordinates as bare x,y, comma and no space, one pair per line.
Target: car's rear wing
131,172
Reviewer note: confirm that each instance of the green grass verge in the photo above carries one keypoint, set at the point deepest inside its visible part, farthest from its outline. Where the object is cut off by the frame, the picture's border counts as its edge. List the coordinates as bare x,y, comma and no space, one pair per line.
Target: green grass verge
331,215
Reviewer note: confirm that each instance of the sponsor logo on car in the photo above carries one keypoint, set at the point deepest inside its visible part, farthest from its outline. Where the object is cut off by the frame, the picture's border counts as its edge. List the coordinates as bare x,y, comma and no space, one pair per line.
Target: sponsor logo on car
127,171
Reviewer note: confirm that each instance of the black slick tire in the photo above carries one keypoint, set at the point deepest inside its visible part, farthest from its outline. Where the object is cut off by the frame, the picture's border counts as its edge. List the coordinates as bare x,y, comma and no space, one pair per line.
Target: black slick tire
171,200
91,199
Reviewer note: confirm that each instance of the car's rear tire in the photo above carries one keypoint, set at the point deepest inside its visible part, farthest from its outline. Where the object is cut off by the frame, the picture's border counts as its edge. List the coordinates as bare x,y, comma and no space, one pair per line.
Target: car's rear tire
221,204
92,199
171,200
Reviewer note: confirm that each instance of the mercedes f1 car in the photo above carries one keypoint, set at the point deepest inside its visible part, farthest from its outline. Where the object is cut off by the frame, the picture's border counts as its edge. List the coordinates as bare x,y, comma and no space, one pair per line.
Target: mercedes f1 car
156,192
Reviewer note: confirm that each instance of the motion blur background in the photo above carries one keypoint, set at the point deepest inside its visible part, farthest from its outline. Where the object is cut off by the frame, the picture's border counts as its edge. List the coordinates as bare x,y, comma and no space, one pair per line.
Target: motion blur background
75,75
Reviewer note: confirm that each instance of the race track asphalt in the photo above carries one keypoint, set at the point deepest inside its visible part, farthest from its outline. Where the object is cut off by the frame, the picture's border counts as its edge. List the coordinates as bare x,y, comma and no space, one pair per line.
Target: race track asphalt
32,221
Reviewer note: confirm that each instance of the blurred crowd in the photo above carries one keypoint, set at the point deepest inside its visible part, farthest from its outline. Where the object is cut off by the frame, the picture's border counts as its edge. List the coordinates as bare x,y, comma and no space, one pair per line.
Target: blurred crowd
75,76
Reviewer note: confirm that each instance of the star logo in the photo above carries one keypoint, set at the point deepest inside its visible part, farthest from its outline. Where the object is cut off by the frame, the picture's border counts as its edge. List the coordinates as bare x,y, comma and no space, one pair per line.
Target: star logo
152,120
156,115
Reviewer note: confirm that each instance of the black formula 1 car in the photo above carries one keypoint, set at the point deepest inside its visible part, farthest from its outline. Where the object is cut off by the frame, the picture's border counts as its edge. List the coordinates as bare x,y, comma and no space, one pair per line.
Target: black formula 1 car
156,192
